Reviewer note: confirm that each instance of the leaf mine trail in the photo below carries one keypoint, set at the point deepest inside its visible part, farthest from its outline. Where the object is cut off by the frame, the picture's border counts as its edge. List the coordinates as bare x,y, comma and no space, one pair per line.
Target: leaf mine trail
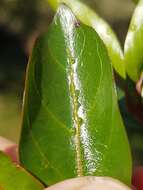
76,119
69,25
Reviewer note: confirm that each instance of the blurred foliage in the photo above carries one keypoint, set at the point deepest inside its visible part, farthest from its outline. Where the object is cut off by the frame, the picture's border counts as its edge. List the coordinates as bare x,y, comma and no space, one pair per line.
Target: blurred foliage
12,61
12,68
134,131
9,116
136,1
108,8
26,16
23,16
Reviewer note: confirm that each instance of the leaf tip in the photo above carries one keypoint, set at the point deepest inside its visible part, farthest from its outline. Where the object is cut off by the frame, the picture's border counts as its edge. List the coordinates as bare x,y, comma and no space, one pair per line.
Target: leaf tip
67,17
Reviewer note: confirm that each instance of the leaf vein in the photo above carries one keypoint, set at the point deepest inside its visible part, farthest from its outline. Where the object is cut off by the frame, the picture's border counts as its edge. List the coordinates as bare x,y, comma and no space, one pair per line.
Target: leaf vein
40,150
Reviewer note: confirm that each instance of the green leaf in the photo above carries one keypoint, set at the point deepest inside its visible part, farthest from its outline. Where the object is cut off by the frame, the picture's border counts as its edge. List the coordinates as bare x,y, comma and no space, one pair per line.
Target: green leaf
13,177
71,121
91,18
134,44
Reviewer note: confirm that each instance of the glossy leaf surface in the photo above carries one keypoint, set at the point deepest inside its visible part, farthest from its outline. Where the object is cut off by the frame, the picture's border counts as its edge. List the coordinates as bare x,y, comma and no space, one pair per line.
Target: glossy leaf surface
71,121
91,18
134,44
13,177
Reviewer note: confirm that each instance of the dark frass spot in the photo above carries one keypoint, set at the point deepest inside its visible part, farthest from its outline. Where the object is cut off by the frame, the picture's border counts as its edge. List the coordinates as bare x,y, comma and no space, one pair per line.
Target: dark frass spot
77,24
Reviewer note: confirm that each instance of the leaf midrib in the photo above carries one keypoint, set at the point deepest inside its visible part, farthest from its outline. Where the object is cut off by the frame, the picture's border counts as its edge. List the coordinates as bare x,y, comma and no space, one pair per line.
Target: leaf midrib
75,116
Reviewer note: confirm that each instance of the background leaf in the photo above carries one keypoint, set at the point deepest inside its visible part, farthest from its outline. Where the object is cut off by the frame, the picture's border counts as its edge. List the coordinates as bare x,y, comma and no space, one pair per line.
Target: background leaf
13,177
136,1
134,45
71,121
89,17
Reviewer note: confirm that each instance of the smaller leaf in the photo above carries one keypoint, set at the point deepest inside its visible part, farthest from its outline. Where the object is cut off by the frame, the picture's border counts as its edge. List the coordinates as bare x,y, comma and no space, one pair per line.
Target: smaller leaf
13,177
91,18
134,44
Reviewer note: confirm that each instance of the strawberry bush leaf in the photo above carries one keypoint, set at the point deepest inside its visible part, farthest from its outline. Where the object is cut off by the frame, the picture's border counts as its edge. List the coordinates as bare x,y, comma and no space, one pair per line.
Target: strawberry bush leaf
71,121
91,18
13,177
134,45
